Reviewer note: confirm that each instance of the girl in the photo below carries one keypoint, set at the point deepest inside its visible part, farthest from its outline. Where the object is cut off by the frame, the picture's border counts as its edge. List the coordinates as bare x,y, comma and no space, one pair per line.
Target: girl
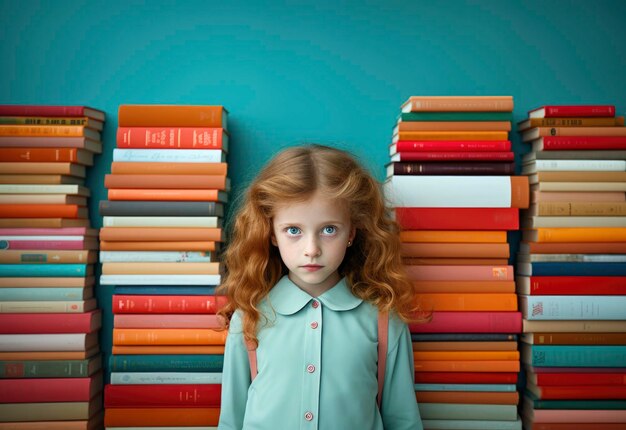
312,268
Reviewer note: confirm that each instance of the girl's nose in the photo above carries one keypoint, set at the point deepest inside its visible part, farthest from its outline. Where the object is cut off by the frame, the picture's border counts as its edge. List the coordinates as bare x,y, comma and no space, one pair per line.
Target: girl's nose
312,248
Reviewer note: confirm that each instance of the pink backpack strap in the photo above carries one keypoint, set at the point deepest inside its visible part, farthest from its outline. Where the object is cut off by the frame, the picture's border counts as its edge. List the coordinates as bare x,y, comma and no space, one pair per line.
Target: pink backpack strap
383,325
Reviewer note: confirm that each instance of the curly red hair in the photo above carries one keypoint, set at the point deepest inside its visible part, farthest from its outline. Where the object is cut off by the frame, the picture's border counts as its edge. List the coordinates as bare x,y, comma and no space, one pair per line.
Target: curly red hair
372,265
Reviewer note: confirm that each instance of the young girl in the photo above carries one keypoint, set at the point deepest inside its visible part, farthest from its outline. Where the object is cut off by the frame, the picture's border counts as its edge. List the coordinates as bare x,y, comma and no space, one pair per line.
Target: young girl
313,266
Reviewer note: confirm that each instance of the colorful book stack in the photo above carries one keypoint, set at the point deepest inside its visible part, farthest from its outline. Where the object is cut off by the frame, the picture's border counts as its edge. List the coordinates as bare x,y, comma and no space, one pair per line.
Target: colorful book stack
162,228
450,184
572,269
50,362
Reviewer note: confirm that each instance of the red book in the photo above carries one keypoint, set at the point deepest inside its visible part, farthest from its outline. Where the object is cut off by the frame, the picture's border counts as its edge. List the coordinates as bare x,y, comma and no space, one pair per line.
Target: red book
131,304
86,322
465,378
172,137
557,143
158,396
453,156
574,285
66,245
55,111
66,231
40,390
566,111
471,322
449,145
570,378
574,392
458,218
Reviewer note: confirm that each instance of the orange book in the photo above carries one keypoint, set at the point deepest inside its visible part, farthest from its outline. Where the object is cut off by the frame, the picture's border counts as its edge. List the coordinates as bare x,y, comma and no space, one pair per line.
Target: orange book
468,366
159,234
468,302
465,346
71,169
586,234
172,116
453,126
451,135
43,222
46,155
49,130
43,211
537,132
162,417
576,248
168,336
564,176
465,355
167,349
136,168
464,287
159,246
617,121
458,104
471,397
172,137
40,179
450,236
217,182
454,261
451,250
161,268
167,195
54,355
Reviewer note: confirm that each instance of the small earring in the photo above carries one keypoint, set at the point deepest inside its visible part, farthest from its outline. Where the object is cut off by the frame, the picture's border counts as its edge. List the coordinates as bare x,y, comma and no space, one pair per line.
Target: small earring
349,243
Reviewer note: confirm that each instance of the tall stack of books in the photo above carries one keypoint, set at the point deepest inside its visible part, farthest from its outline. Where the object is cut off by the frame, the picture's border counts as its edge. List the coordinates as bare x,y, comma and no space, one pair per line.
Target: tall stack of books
572,269
50,362
161,235
451,186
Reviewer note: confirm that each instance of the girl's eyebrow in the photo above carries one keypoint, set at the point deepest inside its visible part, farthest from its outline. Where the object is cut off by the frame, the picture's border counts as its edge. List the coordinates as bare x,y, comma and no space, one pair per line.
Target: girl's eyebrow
297,224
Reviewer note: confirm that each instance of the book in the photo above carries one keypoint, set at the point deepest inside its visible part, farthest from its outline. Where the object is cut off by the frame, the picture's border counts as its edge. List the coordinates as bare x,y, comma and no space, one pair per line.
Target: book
573,307
411,261
68,189
218,182
573,221
62,199
576,176
457,218
165,363
187,395
571,285
160,234
146,208
15,131
50,368
465,356
163,378
573,355
50,389
160,268
456,236
476,250
168,336
573,326
172,137
573,155
166,155
163,417
460,273
449,145
450,168
457,411
147,279
467,302
453,156
156,168
467,366
573,248
71,169
49,355
468,397
572,269
566,111
165,290
580,258
578,209
46,270
457,345
48,342
463,337
172,116
537,132
40,294
458,104
574,339
167,349
199,245
617,121
43,222
50,323
40,179
155,221
455,116
466,377
52,411
464,287
591,234
139,194
42,256
476,425
450,136
153,256
471,322
451,126
42,120
43,211
51,111
125,304
458,192
578,379
46,155
578,142
573,165
41,282
66,306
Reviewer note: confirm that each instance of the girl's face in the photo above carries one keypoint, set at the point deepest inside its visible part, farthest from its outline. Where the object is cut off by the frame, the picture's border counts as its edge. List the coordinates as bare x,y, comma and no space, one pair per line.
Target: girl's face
312,238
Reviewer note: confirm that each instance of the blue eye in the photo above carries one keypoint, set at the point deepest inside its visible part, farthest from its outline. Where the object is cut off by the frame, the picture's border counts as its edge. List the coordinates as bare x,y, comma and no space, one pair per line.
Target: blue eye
292,231
329,229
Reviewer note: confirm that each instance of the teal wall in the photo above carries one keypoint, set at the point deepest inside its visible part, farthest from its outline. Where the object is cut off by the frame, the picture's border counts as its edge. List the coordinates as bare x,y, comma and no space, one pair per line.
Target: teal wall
332,72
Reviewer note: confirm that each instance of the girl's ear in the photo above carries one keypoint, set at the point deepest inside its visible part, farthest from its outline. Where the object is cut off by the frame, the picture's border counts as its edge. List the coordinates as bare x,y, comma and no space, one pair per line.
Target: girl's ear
352,234
273,239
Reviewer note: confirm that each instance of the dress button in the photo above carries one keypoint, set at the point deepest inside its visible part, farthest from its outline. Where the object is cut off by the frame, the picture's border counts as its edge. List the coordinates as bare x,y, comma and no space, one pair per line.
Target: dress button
308,416
314,325
310,368
315,304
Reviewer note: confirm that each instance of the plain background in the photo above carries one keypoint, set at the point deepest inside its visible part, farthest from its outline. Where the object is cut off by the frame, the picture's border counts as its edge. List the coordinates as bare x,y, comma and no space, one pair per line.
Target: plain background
331,72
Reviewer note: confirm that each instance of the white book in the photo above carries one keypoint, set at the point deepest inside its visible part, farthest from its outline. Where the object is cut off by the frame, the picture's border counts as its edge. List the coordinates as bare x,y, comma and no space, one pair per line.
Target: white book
162,221
573,221
574,166
154,256
573,307
449,191
47,342
170,155
160,279
69,189
140,378
581,186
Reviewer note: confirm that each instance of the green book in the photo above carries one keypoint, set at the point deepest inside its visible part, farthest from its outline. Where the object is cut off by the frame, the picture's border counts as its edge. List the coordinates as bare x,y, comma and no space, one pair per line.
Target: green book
50,368
166,363
576,404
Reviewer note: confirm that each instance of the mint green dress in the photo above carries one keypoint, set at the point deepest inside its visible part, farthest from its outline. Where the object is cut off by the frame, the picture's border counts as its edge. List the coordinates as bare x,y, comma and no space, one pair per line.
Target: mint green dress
317,364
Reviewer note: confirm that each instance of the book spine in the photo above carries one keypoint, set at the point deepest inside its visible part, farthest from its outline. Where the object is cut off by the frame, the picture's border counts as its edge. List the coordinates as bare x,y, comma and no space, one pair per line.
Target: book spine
42,110
572,269
44,369
167,116
42,130
175,395
41,256
47,306
404,145
154,256
167,305
580,165
573,307
466,377
455,156
166,363
458,219
154,221
167,156
130,208
160,280
39,390
142,378
40,120
140,194
43,245
581,209
35,323
471,322
579,111
35,270
164,290
460,104
168,337
40,294
583,142
451,168
578,356
42,342
170,137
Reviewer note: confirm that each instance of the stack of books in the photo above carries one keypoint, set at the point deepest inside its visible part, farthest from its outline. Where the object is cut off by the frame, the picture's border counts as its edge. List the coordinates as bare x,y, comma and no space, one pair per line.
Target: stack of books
572,268
50,362
451,186
161,235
